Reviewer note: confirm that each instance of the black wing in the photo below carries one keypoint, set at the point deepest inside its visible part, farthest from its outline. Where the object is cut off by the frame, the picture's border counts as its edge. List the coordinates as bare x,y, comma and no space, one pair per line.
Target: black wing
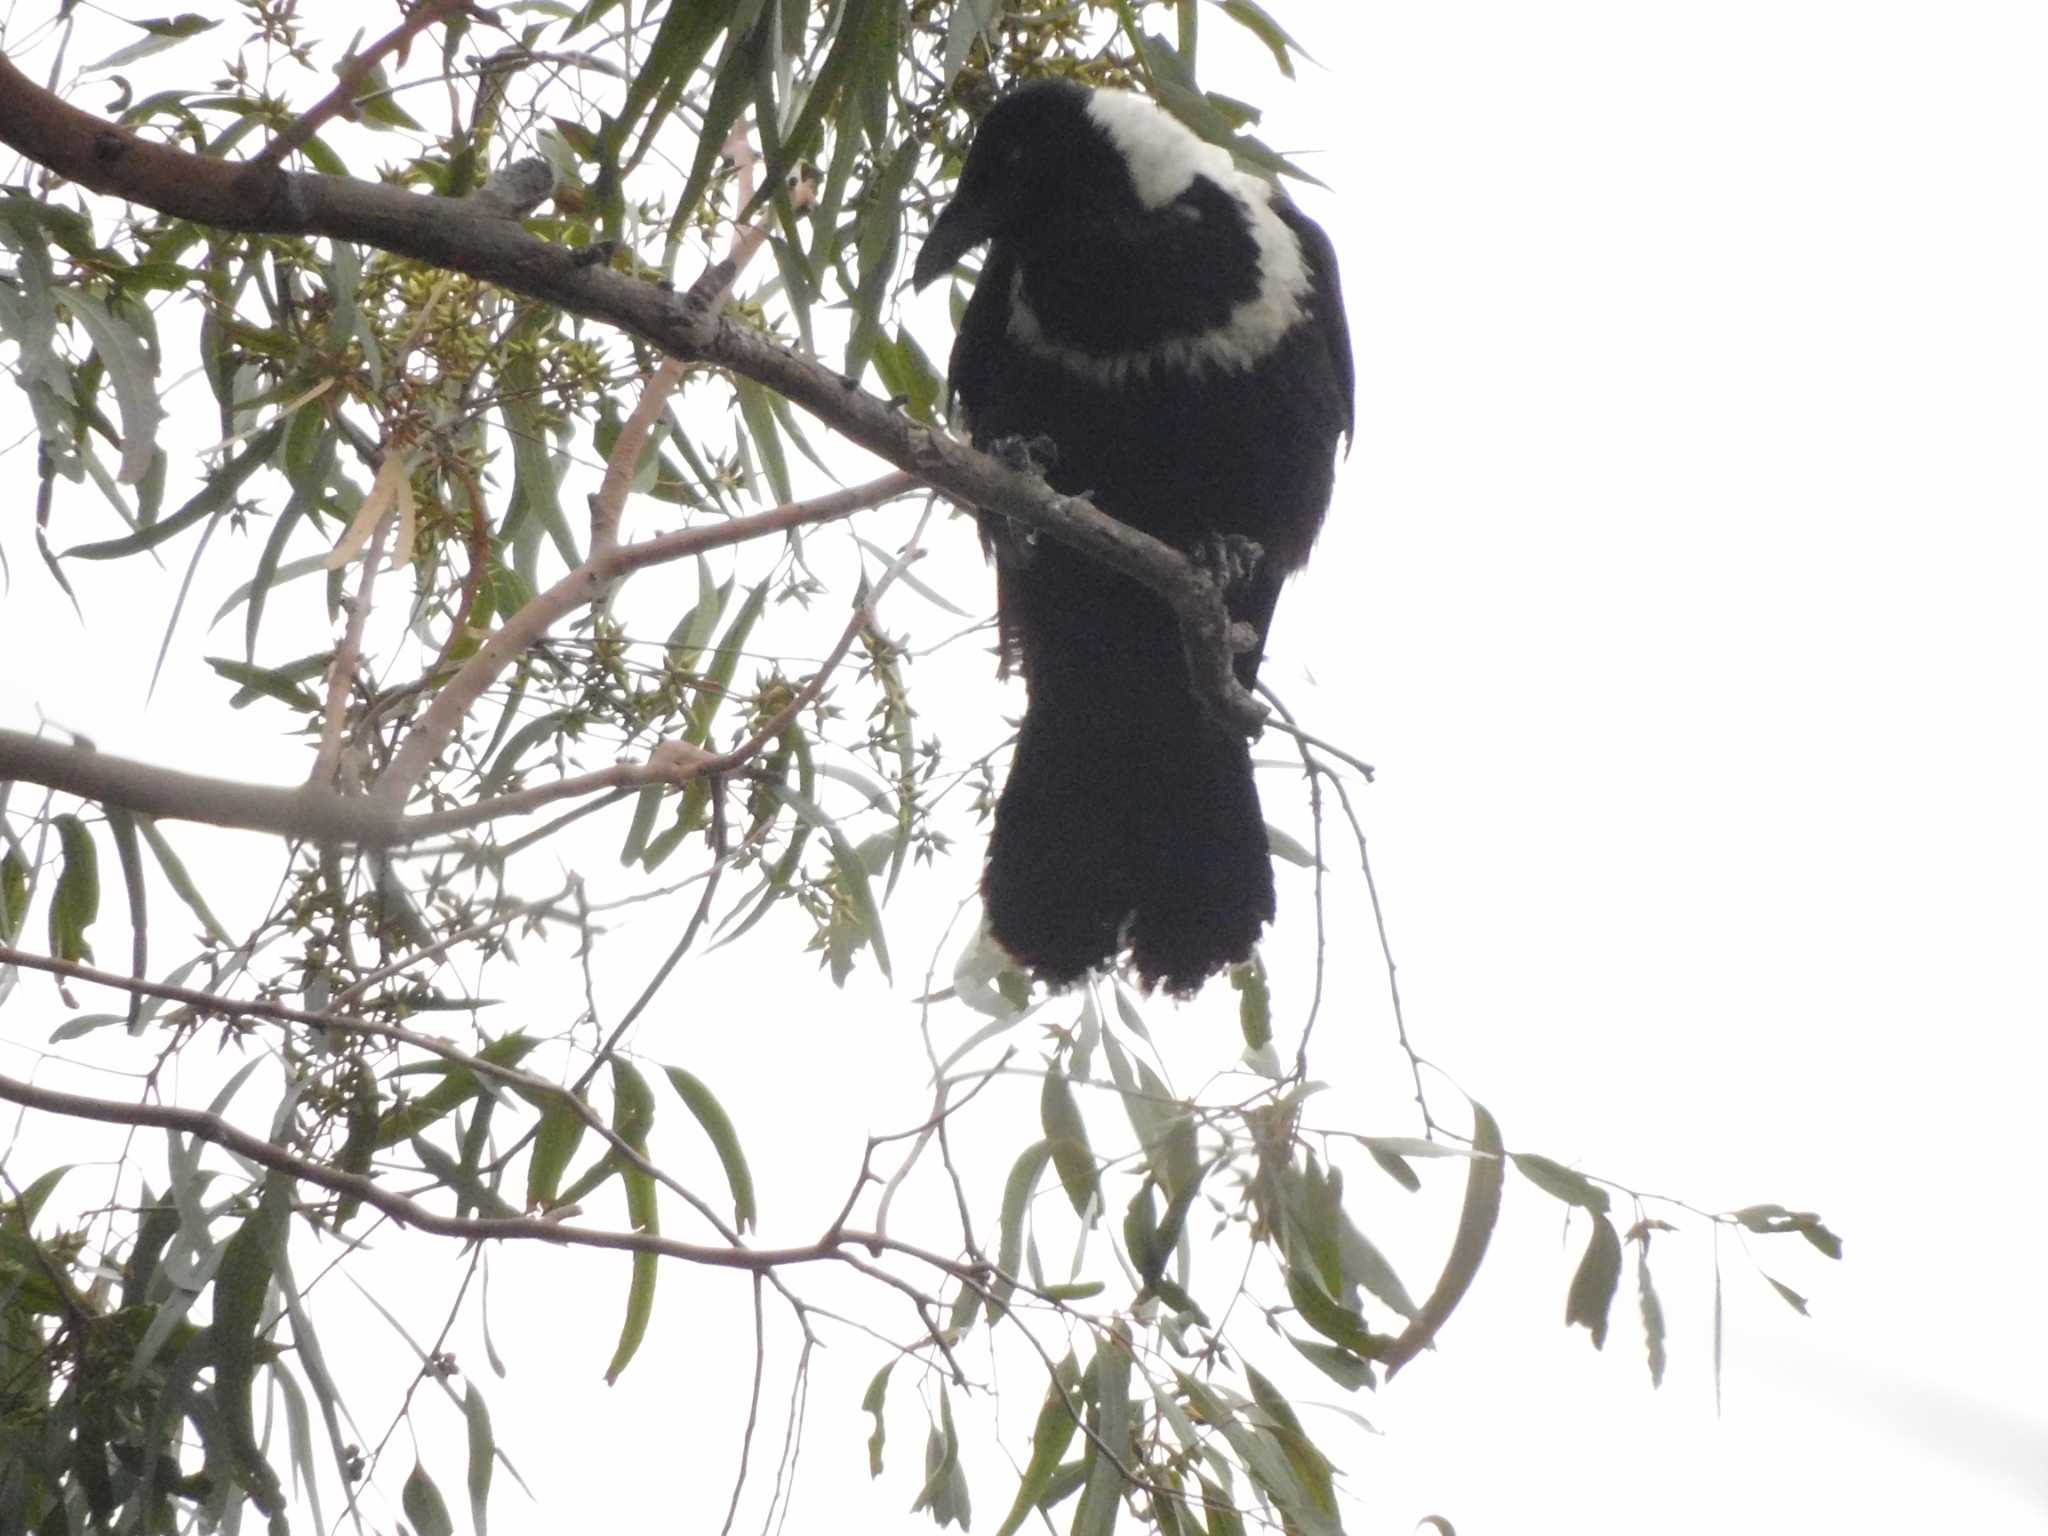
984,331
1326,298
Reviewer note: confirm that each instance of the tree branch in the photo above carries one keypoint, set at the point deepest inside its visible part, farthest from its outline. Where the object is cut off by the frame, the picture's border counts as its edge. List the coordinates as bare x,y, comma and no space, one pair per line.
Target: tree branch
836,1246
445,233
353,76
320,814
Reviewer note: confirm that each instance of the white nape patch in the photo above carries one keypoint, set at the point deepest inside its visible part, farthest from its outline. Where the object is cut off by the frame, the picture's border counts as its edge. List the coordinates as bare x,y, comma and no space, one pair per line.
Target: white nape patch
1165,158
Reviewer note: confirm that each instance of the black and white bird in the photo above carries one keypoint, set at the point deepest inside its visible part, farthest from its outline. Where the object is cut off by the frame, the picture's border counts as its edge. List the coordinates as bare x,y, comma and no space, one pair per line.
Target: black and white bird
1173,326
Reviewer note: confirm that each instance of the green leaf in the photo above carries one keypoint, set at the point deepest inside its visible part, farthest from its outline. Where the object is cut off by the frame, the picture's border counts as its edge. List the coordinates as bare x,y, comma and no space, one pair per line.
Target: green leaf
1050,1438
1793,1299
643,1211
1338,1323
724,663
240,1288
1476,1220
1102,1493
1395,1165
13,894
971,19
849,869
265,682
483,1448
872,1402
711,1116
1268,31
163,32
1224,1519
212,497
767,438
878,240
126,343
180,880
1340,1365
945,1484
1592,1291
632,1118
1067,1134
1561,1182
424,1507
1313,1472
1364,1265
76,901
1775,1218
554,1143
1254,1002
1018,1189
456,1088
1653,1316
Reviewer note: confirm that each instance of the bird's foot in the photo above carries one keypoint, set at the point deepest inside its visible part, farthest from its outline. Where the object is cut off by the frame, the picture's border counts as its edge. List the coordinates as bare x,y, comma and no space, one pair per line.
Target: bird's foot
1231,560
1029,455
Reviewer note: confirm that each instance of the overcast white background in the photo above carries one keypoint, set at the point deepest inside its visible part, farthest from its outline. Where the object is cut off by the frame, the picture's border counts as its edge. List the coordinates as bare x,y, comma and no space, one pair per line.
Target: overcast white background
1684,584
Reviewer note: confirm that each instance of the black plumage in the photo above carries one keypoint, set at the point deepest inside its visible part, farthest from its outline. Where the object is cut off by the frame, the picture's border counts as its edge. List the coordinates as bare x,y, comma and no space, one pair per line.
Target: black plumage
1173,327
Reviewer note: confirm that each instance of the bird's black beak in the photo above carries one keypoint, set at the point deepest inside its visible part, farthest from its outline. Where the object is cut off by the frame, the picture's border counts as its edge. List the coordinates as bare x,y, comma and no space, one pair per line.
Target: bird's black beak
966,222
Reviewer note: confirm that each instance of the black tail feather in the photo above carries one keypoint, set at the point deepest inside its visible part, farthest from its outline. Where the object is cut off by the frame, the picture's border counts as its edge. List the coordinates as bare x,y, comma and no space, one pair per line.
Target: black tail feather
1130,819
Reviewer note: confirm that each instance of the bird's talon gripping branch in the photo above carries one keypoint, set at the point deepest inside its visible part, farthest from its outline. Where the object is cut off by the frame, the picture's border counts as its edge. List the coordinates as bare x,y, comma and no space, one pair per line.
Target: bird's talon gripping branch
1231,560
1029,453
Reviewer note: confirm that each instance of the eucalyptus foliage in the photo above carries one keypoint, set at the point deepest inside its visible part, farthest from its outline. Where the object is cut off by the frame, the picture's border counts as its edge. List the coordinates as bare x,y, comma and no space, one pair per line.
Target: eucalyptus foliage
301,414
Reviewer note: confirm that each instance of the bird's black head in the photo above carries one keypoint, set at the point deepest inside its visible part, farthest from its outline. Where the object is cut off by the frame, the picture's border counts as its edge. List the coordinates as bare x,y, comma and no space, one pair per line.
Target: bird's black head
1038,161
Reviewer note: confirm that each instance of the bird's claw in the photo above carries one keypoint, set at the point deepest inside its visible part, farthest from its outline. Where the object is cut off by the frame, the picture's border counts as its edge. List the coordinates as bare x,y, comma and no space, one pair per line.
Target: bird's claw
1031,454
1231,559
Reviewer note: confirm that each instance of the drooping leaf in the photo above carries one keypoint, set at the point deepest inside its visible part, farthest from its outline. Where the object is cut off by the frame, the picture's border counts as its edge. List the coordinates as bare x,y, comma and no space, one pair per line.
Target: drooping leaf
423,1505
483,1447
1653,1317
1793,1299
632,1117
711,1116
76,901
872,1402
1592,1289
1017,1192
1067,1134
1050,1437
1475,1230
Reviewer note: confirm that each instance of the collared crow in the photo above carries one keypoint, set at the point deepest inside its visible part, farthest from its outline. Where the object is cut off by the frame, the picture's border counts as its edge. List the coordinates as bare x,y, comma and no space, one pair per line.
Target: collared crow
1171,327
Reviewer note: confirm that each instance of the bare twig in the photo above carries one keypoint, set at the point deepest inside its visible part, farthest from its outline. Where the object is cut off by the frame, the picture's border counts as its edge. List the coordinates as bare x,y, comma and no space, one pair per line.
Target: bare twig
353,76
341,671
320,814
624,461
582,586
528,1082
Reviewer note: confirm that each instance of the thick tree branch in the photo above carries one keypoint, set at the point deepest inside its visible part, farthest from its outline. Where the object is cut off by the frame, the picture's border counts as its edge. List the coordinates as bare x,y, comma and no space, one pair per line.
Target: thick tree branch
446,233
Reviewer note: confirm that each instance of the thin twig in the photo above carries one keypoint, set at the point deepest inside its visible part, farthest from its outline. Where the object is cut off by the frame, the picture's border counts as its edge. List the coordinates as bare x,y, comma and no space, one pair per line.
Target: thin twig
341,671
353,76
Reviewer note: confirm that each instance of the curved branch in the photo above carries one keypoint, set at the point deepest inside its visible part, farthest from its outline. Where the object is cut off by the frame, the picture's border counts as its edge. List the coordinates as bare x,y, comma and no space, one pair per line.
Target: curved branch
458,236
835,1247
373,821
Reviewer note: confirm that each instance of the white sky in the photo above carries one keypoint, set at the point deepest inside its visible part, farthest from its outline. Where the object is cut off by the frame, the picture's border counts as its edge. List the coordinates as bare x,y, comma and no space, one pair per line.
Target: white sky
1684,587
